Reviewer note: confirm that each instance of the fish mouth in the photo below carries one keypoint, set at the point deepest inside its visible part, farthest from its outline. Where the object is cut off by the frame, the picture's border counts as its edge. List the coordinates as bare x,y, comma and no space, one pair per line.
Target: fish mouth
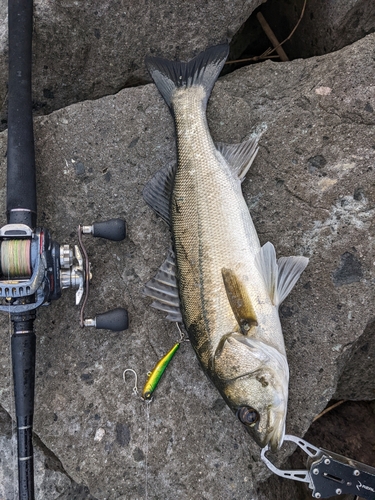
271,433
275,438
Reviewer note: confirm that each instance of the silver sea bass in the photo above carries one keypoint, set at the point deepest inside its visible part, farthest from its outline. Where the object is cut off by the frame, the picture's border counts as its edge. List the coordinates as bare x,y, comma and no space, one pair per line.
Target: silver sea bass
218,280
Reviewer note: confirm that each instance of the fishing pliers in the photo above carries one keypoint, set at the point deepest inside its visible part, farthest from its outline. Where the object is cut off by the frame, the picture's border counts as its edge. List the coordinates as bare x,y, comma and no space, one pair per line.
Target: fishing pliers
328,474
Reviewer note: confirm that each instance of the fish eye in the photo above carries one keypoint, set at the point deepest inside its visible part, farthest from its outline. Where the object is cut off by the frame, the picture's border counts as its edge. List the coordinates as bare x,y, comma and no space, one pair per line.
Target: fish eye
248,416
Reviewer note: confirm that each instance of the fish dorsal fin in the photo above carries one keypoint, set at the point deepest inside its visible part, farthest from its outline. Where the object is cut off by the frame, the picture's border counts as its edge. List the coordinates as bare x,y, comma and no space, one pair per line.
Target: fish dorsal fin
164,290
290,269
240,156
280,275
157,192
239,301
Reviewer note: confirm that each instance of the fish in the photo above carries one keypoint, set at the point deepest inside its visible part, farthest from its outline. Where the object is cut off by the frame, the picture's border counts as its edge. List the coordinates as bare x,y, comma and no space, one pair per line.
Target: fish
217,279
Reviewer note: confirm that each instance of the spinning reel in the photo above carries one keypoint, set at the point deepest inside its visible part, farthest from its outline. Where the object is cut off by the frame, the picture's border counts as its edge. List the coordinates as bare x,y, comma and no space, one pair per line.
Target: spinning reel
35,269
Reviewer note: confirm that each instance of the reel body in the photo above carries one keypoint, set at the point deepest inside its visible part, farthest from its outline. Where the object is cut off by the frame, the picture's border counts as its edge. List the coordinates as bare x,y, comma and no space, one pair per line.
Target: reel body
30,268
35,269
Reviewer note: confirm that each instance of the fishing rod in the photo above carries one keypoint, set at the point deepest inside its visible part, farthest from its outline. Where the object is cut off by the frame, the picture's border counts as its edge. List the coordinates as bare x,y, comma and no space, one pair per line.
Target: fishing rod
34,269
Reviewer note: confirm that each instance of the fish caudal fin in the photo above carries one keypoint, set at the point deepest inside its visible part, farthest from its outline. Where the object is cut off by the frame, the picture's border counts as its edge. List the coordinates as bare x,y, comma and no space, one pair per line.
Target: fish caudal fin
280,275
203,71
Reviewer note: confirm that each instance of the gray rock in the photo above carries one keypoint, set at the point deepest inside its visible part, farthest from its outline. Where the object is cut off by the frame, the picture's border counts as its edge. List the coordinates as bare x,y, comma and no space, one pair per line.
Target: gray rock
51,481
87,50
357,381
187,444
329,26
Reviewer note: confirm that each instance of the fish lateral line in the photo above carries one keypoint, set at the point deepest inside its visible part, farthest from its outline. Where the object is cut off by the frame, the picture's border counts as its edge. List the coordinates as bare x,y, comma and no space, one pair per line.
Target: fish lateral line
156,373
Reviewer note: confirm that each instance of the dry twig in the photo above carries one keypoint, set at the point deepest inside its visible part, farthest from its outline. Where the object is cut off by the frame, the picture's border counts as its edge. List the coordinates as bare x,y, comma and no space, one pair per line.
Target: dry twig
268,52
272,37
295,27
329,409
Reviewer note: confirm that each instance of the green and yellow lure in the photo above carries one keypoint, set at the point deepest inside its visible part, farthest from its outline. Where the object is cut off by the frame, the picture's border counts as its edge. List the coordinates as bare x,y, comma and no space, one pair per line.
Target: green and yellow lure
157,372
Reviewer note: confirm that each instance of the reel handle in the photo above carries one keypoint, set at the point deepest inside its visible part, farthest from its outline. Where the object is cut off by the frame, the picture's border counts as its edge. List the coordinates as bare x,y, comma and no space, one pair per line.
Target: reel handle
113,229
116,320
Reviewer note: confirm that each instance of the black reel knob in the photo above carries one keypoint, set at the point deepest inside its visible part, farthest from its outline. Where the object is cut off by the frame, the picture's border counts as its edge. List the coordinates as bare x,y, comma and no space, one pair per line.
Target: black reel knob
113,229
116,320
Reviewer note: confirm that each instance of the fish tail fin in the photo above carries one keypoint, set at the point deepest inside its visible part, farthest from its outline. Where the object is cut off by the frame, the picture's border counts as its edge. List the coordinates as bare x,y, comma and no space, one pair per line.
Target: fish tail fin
203,71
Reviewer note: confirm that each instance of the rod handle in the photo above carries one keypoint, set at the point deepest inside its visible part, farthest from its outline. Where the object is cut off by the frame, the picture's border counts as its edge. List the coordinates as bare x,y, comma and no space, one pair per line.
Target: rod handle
23,344
23,357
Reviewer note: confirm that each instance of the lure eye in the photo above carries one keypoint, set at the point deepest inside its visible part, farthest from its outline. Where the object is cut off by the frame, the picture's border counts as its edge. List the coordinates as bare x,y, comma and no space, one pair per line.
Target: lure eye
248,416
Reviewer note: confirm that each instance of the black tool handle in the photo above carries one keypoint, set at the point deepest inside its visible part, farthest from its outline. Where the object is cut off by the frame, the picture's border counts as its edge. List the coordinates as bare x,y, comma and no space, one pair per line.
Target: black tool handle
23,360
21,178
116,320
113,229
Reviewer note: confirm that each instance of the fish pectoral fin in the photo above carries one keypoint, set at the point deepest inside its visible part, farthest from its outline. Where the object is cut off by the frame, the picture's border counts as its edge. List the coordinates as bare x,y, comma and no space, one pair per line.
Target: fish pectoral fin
290,269
267,265
237,356
239,301
240,156
157,192
164,290
280,275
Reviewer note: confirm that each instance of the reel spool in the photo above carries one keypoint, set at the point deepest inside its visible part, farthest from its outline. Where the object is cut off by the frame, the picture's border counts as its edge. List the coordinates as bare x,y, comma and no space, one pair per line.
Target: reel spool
15,258
35,269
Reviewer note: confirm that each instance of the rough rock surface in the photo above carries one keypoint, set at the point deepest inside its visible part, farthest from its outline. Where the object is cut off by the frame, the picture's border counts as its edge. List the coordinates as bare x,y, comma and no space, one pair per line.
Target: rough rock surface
311,191
51,481
84,50
358,384
329,26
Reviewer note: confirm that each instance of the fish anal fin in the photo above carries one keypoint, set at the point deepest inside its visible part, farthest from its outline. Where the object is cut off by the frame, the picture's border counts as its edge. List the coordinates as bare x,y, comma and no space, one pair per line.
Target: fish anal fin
157,192
239,301
163,289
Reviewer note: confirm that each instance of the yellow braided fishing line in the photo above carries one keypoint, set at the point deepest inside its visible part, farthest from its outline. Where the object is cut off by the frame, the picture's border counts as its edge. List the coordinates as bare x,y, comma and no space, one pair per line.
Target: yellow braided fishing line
15,258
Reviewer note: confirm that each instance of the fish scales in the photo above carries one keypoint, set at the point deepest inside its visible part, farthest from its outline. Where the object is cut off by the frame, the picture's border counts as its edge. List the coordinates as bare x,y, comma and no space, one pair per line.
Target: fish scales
228,286
212,230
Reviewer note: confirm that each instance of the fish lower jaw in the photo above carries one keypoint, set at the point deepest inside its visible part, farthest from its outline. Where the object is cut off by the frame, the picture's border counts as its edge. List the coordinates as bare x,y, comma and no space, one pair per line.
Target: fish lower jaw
274,440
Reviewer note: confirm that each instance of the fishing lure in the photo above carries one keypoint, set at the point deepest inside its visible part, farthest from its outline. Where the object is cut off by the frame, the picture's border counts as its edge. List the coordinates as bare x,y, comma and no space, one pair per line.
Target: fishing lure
157,372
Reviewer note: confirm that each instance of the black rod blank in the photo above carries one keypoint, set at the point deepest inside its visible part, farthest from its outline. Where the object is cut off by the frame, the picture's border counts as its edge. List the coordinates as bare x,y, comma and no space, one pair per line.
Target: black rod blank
21,177
21,208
